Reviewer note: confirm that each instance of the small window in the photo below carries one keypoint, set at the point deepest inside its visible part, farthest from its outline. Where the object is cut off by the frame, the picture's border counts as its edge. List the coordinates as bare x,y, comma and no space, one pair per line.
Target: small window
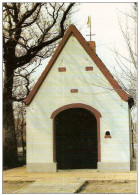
107,134
89,68
62,69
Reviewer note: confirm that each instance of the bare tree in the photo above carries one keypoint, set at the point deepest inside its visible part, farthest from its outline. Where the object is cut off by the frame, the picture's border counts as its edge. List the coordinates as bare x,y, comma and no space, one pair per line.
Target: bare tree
20,126
23,83
126,72
30,30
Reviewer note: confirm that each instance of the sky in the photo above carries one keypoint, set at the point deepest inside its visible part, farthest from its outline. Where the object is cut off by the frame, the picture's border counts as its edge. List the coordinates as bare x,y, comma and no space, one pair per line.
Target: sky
105,26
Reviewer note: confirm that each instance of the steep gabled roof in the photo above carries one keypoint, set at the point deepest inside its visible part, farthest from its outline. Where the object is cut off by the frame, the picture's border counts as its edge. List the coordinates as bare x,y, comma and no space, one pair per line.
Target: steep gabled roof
73,30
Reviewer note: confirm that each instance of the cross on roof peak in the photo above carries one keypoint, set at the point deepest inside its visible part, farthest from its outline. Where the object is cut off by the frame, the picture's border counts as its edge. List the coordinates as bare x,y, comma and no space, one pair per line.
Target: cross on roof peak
89,25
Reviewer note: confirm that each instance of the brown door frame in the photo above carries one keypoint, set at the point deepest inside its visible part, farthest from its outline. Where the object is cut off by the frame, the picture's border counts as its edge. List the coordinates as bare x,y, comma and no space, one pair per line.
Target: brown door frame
78,105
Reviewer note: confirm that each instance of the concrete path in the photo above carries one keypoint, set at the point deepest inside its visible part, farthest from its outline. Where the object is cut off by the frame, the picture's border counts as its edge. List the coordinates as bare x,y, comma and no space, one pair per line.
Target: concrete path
68,181
40,187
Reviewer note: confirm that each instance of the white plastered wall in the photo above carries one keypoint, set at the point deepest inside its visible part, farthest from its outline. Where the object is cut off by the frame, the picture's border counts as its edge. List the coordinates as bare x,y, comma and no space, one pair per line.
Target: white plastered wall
92,90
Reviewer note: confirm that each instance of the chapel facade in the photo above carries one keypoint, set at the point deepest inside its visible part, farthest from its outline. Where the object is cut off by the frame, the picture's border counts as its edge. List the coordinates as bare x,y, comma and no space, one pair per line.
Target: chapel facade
78,116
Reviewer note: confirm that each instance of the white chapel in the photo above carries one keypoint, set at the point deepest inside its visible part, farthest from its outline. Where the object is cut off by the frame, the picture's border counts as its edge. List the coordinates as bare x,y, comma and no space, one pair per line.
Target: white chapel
78,116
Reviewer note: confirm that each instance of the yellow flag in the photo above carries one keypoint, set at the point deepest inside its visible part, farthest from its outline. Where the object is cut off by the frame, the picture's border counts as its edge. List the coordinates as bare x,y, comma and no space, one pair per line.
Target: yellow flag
89,21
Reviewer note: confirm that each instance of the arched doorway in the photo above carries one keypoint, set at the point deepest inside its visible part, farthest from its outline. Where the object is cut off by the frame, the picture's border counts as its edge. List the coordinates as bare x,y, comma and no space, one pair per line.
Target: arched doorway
76,138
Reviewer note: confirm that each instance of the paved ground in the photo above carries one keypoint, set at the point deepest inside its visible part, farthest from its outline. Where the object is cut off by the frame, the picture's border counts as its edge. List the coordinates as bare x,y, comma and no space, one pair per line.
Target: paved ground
69,181
98,187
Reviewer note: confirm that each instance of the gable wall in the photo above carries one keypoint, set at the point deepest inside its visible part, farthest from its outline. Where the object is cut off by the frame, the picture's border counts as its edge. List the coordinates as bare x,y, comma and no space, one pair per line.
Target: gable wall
55,92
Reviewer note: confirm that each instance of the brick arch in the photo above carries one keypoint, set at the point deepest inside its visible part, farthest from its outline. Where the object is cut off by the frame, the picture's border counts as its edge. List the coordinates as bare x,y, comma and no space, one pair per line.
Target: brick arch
96,113
77,105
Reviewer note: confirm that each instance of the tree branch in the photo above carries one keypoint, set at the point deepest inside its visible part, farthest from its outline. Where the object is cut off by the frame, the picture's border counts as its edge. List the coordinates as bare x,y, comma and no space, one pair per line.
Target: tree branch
28,14
31,53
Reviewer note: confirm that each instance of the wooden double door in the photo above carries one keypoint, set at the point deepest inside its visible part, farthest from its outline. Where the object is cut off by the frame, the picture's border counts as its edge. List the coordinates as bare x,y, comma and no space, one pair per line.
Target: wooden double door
76,139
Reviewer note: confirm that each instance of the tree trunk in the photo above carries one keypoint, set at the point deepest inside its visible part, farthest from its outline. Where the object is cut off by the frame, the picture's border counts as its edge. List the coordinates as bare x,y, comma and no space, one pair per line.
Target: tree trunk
22,141
133,151
10,158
